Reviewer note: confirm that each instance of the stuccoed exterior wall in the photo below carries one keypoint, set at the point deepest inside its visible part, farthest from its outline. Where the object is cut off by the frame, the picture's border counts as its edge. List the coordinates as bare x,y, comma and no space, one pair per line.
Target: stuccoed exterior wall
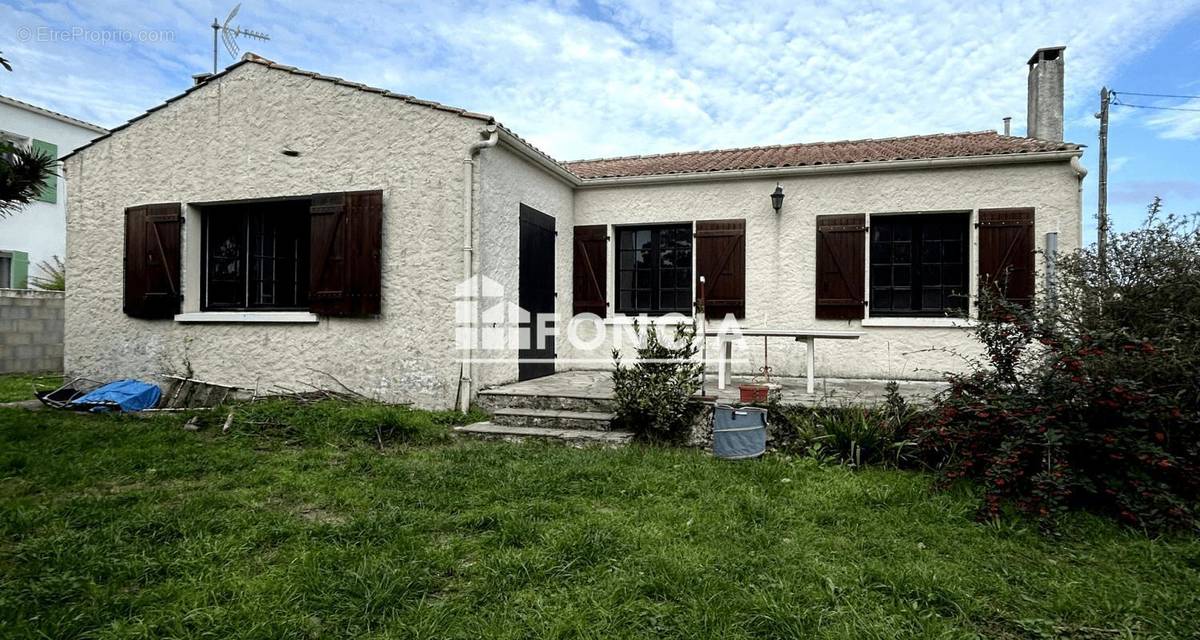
507,180
780,251
223,142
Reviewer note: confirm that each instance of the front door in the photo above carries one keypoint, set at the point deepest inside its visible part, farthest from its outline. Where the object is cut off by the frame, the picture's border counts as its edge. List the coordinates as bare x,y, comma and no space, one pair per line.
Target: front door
536,294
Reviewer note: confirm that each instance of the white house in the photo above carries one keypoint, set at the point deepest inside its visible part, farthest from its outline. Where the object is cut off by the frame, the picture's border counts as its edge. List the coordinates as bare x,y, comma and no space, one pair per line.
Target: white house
272,222
38,231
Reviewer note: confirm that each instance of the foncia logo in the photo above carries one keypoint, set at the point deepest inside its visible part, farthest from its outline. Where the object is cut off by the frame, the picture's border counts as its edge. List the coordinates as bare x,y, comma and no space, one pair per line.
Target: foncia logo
490,327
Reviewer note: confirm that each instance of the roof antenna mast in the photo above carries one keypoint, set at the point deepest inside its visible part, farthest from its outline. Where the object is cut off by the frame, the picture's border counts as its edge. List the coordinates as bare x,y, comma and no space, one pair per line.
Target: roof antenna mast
229,35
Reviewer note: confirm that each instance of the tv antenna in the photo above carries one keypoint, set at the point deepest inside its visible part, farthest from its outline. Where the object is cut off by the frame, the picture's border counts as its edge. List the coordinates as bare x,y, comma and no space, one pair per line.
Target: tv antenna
230,34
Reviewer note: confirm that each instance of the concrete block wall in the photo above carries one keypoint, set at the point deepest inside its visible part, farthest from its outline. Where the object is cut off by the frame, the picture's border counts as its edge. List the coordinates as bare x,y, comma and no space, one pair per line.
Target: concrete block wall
31,331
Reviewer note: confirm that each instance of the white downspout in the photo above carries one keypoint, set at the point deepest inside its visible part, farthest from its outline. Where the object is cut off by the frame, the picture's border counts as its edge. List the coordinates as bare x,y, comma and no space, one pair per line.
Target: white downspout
1081,173
490,136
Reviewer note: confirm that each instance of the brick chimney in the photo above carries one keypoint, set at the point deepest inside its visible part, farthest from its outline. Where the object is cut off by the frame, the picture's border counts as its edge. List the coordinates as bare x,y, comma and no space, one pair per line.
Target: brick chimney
1044,119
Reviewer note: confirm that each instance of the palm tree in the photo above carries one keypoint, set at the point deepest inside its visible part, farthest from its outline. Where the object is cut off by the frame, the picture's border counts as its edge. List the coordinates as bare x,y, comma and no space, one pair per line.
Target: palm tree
23,172
54,275
23,176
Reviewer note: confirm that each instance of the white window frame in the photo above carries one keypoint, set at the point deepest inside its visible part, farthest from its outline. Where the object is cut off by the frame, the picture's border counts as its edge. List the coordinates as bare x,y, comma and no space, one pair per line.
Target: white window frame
972,276
611,316
192,270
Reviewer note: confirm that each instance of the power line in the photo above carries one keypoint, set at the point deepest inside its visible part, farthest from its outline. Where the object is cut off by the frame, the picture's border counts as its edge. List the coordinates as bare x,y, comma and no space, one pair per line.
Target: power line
1156,95
1146,106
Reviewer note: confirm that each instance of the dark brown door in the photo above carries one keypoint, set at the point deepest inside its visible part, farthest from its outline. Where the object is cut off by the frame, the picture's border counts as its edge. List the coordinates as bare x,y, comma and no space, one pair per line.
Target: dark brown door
536,294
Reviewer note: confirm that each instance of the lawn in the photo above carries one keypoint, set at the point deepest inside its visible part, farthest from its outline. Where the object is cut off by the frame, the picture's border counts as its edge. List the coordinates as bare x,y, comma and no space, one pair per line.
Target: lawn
14,387
116,527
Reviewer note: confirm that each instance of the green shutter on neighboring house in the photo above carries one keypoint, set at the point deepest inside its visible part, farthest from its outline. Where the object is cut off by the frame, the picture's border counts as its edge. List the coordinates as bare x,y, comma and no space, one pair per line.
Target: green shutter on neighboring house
50,193
19,270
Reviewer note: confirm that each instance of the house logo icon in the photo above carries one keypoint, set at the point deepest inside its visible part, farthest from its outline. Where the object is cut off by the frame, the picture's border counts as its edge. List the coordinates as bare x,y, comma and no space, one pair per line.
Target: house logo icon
486,320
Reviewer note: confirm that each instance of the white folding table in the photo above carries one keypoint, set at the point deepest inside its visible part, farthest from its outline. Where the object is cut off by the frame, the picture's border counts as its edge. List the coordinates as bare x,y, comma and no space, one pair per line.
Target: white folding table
808,336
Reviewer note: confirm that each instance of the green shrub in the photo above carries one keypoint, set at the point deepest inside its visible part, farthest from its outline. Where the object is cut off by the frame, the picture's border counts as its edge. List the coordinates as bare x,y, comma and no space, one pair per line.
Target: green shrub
653,397
1088,400
855,435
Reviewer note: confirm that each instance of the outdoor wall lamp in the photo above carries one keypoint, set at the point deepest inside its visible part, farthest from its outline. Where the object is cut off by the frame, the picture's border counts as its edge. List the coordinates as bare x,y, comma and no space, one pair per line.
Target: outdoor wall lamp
777,198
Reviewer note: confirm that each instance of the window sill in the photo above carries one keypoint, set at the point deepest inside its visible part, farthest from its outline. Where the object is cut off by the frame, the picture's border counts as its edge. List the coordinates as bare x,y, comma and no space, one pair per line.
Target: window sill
288,317
657,320
918,322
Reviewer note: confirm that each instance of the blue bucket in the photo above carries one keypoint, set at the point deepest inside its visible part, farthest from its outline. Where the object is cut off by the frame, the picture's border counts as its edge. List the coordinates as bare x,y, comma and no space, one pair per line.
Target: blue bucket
739,432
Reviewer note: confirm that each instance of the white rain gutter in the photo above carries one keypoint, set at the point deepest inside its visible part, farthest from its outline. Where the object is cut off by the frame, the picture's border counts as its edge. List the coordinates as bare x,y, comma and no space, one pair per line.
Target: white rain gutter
860,167
522,149
490,135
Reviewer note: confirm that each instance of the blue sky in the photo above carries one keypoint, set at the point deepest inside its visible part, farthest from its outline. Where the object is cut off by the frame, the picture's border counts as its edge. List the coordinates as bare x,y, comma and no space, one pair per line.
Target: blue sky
601,77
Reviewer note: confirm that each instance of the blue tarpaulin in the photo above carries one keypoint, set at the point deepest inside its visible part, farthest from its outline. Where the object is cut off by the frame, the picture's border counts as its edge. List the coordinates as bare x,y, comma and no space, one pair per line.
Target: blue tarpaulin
122,395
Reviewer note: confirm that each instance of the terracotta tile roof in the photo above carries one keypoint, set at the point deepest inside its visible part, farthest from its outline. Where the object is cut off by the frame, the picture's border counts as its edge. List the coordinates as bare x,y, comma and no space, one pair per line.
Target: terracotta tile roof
945,145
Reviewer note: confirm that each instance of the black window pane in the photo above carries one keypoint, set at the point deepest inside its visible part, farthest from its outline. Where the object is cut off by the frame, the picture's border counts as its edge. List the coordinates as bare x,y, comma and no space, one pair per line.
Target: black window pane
226,245
931,251
931,298
882,298
658,278
931,275
952,277
918,264
953,299
256,256
952,251
881,275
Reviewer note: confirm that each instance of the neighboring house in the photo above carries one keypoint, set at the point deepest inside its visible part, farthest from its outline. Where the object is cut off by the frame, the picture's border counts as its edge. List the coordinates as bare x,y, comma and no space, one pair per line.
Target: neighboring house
38,231
271,223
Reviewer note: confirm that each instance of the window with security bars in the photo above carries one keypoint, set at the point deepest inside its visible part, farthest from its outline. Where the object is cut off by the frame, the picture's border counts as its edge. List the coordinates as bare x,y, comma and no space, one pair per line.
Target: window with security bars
654,269
256,256
919,264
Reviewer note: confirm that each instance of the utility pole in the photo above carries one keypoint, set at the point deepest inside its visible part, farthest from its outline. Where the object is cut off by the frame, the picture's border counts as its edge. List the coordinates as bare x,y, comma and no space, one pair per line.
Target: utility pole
1102,201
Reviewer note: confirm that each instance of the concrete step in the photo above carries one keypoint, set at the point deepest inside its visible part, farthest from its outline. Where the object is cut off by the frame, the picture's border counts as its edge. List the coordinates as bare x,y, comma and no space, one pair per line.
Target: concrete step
553,418
494,400
571,436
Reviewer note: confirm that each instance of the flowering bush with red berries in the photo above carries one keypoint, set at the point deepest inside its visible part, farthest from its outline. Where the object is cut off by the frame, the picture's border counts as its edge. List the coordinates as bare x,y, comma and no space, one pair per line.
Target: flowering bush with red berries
1091,399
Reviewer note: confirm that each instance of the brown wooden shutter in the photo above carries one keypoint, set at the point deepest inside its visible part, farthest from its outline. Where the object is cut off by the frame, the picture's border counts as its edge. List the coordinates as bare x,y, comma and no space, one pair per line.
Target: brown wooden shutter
152,260
589,293
841,253
721,259
1006,252
345,244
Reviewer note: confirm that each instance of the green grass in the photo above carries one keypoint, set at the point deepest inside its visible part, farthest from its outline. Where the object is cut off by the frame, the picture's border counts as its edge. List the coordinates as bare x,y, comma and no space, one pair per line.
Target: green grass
19,386
119,527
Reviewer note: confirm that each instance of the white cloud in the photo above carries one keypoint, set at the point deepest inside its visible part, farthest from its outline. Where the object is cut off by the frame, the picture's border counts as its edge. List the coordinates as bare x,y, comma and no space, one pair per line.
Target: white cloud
617,77
1177,125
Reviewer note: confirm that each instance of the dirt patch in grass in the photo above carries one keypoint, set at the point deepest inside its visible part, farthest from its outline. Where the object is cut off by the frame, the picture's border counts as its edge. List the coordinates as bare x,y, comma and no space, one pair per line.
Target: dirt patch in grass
319,515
